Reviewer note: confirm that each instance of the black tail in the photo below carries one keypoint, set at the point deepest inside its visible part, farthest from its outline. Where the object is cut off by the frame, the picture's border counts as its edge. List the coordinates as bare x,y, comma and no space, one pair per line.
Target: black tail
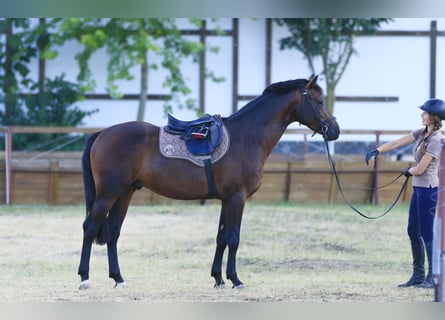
103,234
88,180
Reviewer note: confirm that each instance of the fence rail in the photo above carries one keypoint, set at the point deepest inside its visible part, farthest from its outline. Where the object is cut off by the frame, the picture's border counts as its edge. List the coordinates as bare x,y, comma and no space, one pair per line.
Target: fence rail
57,179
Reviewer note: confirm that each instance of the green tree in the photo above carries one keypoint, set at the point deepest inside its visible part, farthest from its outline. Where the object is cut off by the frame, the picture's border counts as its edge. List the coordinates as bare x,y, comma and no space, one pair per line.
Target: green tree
16,51
328,40
128,42
33,102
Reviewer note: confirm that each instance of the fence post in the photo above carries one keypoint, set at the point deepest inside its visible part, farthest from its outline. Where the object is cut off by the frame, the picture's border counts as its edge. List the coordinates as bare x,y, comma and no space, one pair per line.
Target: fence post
8,164
439,234
375,179
53,184
288,182
305,146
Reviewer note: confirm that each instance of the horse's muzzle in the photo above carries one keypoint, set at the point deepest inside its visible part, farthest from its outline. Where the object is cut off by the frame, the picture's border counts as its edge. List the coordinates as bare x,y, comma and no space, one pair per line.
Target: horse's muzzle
331,130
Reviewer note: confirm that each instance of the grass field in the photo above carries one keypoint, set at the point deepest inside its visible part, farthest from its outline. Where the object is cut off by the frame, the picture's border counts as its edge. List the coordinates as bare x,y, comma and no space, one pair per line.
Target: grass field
288,252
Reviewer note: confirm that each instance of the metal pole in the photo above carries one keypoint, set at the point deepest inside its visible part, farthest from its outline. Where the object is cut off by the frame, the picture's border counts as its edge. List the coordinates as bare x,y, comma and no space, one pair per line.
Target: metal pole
202,66
439,235
235,54
433,58
268,50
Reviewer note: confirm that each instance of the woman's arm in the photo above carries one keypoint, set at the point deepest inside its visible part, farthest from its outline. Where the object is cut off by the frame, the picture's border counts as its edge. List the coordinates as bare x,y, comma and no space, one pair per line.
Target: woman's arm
403,141
420,168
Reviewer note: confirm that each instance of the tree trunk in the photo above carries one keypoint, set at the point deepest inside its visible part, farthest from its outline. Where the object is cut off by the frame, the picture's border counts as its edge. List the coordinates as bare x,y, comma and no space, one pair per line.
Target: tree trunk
330,97
42,64
144,88
330,100
9,83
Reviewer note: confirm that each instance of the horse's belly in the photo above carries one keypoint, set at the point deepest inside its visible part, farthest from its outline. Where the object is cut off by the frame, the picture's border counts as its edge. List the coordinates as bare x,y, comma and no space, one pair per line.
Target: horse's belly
176,179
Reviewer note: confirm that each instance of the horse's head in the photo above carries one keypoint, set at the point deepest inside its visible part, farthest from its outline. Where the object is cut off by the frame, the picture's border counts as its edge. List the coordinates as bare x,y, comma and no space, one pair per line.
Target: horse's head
313,112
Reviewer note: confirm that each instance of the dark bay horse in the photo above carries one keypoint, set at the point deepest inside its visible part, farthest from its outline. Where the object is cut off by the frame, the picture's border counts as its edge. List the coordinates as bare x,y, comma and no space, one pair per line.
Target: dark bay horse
125,157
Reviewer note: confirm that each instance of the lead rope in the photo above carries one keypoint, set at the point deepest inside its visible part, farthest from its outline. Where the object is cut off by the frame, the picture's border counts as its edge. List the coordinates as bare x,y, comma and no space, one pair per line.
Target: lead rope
334,170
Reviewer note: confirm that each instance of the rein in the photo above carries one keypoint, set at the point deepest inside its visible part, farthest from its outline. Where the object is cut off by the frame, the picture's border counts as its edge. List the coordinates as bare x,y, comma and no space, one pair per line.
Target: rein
323,129
337,179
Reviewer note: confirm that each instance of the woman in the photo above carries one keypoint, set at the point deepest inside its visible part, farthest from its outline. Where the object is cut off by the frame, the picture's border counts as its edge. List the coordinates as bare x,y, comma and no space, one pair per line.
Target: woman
425,181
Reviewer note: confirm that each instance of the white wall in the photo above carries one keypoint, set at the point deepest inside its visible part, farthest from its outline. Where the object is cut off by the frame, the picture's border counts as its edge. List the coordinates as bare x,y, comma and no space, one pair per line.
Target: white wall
384,66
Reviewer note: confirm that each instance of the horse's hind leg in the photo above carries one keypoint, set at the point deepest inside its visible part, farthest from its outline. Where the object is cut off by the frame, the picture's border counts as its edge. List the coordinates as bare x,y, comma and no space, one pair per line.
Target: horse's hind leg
89,231
235,207
115,219
91,227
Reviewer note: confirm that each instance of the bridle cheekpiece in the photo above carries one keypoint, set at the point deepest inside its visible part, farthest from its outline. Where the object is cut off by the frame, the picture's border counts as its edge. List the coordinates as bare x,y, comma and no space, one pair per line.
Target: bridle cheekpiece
324,124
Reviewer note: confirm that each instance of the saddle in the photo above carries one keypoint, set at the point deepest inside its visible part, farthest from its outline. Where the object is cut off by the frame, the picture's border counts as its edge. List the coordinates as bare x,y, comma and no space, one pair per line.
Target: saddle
202,136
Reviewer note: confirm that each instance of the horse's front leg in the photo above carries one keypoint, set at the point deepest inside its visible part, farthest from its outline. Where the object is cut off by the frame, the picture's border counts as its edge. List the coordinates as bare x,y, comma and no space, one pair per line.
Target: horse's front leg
229,235
221,243
233,243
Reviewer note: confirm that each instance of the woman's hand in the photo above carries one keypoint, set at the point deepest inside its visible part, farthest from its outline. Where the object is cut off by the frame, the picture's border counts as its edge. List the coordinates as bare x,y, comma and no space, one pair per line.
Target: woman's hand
370,155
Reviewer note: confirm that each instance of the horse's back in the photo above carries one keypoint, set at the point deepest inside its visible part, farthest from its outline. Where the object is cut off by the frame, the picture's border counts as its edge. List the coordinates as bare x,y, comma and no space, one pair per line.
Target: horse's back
124,147
127,135
131,127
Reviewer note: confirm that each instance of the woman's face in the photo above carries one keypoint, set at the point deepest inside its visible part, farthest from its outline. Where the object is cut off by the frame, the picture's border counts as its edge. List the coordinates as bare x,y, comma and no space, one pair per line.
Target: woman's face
426,118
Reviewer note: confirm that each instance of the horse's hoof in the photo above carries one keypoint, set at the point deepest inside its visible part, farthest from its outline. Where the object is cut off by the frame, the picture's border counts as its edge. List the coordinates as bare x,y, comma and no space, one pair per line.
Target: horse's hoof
220,286
239,287
85,284
120,285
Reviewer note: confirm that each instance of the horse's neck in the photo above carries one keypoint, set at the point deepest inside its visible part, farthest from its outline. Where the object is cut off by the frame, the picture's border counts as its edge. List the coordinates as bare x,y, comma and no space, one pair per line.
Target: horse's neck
266,123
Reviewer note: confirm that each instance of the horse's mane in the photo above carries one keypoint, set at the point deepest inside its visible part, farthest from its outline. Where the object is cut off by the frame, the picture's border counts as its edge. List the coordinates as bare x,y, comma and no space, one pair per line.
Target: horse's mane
284,87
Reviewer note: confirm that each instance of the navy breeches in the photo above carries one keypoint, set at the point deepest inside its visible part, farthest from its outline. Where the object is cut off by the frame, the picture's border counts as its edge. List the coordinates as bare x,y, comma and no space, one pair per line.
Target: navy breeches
421,214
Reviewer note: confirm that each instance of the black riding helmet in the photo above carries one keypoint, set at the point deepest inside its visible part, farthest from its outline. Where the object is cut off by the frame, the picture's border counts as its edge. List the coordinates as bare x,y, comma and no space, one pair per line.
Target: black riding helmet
434,106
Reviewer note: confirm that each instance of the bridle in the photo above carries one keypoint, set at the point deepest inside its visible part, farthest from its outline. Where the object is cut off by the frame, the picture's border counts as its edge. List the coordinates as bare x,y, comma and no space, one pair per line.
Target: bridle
323,130
323,126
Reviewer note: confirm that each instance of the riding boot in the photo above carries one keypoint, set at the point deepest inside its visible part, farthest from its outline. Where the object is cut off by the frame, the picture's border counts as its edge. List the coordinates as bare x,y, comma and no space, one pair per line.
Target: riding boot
418,276
429,281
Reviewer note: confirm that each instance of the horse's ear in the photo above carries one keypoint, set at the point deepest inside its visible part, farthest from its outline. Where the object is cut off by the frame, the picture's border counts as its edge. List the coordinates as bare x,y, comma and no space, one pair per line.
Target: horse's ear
312,81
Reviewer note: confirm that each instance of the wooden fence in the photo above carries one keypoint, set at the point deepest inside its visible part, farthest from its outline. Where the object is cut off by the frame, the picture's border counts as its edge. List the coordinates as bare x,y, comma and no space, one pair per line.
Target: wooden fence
58,181
311,180
56,178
